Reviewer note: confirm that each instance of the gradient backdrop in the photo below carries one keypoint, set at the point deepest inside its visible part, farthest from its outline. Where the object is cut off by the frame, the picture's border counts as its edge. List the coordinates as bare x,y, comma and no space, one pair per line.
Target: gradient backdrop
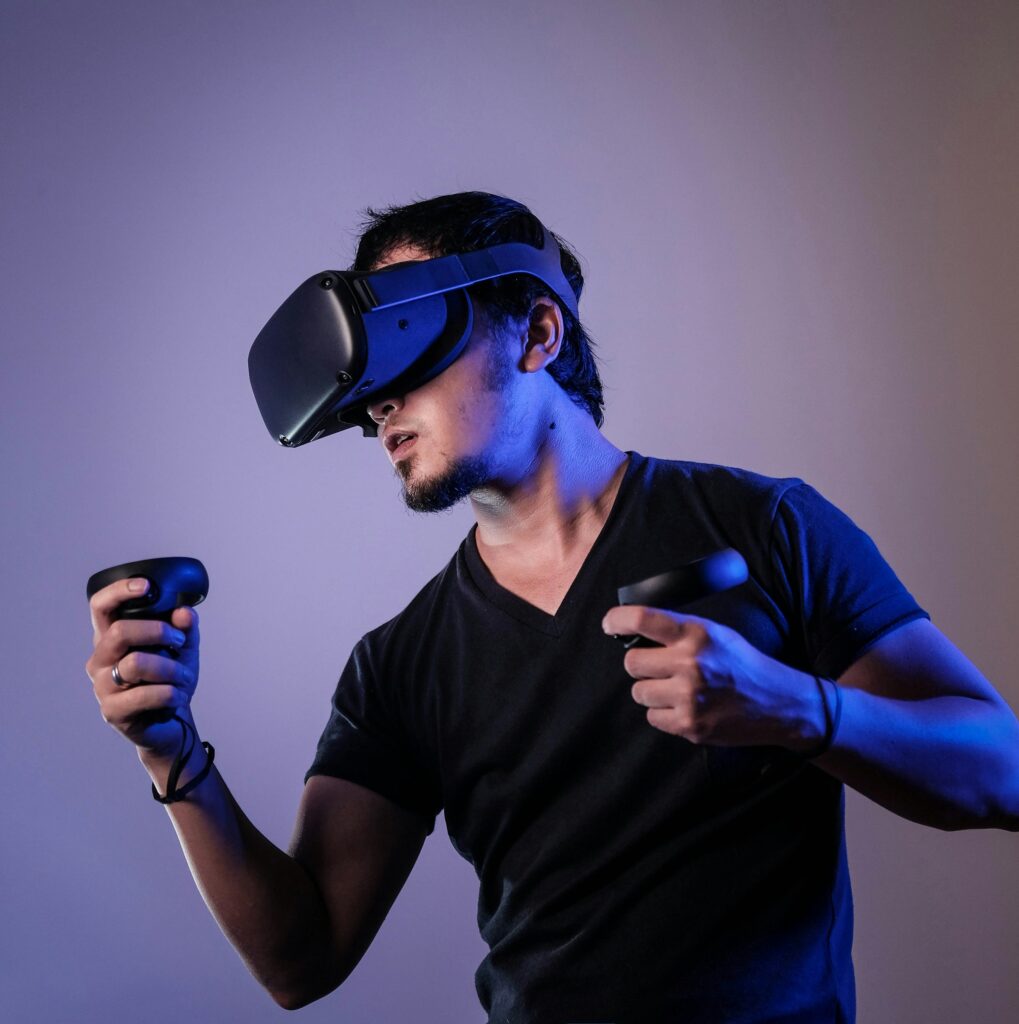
799,224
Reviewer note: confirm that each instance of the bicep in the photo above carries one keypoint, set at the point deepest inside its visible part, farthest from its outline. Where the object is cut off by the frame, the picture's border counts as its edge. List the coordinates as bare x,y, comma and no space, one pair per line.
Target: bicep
916,662
359,847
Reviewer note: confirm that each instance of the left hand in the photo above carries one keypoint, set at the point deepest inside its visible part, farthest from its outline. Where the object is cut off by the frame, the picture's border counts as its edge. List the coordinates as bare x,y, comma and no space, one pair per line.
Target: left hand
707,684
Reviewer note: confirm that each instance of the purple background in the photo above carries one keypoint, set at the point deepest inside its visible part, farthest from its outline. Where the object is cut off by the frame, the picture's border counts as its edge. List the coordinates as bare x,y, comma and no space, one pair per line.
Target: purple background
799,223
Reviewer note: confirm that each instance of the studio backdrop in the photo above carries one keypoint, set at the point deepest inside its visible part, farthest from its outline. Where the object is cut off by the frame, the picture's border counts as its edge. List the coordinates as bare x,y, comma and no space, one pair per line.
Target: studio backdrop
798,224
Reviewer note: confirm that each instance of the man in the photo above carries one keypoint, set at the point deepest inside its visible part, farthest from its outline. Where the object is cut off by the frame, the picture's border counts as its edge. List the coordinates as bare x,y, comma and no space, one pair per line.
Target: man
657,832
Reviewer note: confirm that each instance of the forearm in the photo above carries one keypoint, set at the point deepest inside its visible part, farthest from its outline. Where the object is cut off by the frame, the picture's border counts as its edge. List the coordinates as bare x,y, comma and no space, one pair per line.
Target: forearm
265,901
950,761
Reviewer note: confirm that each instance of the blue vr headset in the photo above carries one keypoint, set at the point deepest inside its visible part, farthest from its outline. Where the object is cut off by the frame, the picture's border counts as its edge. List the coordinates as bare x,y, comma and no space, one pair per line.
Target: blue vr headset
348,338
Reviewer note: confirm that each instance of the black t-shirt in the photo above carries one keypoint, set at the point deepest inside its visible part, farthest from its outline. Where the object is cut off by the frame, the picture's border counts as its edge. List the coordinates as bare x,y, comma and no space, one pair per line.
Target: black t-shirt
626,874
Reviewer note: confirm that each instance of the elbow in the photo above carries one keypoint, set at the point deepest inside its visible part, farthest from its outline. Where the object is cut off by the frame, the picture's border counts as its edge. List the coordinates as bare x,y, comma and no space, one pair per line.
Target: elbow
1005,803
292,1000
298,991
297,997
1005,819
1010,823
962,822
992,807
1005,813
1003,810
991,797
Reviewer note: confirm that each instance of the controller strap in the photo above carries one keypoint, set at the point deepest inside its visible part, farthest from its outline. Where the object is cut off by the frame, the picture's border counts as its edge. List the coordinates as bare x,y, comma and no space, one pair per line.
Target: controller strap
173,794
831,718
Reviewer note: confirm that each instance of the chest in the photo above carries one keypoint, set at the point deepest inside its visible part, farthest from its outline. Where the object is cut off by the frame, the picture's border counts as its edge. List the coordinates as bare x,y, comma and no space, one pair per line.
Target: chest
536,740
545,587
543,591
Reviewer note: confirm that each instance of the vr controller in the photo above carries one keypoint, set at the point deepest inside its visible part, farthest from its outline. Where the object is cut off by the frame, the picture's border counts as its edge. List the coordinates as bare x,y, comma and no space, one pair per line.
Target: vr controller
671,590
173,582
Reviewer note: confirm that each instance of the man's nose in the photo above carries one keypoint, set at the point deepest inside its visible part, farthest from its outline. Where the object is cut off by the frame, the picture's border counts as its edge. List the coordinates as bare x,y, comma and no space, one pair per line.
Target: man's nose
380,410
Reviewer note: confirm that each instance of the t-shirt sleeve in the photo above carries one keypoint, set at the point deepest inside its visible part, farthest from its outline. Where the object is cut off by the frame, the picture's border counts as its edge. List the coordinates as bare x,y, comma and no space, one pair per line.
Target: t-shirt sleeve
843,594
365,742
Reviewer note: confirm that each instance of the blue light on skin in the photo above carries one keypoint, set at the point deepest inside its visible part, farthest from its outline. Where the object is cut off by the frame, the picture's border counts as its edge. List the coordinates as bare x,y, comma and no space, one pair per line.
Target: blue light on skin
493,427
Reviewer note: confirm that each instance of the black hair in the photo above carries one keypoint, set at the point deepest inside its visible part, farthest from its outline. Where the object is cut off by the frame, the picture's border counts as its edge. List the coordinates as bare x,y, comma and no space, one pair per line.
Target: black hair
466,221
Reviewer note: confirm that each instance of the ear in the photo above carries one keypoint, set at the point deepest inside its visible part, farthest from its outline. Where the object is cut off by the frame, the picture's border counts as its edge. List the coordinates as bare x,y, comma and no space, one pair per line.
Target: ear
545,330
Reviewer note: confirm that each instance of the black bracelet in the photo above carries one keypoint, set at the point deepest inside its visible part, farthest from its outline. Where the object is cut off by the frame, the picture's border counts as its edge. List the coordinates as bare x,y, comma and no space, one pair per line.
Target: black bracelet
173,794
831,718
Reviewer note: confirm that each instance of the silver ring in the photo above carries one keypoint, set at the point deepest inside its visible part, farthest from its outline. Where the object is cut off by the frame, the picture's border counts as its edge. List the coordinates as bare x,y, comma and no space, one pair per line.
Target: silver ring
117,677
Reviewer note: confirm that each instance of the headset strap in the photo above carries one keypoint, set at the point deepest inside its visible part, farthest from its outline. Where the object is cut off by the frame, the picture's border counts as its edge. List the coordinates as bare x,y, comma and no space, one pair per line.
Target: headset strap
418,280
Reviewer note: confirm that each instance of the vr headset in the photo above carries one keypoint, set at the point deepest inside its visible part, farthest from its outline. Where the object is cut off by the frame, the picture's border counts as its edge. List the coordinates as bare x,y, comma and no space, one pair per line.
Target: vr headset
346,338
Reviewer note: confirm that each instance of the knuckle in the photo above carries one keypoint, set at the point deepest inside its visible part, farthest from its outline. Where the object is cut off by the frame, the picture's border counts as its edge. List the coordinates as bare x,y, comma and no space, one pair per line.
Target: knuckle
664,720
158,668
695,633
140,631
696,727
137,701
100,600
117,633
689,704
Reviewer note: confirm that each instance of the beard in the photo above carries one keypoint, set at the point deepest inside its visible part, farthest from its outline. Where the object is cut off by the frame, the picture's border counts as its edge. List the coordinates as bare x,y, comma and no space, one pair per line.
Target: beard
448,488
469,472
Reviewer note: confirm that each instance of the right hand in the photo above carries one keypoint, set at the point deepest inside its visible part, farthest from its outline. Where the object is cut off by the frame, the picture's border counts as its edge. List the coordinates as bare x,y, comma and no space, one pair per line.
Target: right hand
155,686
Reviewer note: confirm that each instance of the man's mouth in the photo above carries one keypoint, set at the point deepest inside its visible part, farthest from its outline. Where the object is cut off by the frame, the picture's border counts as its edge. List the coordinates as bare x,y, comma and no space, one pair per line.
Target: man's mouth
399,442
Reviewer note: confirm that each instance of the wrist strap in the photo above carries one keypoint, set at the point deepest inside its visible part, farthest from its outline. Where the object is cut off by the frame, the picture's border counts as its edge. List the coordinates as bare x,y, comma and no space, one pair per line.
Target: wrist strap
831,718
173,794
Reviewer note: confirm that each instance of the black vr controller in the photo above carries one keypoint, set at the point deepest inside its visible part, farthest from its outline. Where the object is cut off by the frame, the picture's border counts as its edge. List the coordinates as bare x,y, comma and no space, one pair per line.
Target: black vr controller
172,582
671,590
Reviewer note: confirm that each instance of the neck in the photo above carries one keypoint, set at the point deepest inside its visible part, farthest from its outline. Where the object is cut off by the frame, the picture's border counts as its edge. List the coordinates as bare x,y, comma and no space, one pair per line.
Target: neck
550,512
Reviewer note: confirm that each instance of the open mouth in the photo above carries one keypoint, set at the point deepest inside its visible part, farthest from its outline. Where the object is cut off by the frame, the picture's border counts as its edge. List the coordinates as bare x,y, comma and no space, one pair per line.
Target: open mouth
399,442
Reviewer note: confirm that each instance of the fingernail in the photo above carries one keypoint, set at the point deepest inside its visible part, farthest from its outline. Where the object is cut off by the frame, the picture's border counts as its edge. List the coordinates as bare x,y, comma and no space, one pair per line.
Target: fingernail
137,586
177,637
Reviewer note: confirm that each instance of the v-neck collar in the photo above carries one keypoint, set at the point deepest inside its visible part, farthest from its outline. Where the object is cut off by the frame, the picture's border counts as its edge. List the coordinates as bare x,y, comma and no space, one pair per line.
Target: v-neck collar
527,613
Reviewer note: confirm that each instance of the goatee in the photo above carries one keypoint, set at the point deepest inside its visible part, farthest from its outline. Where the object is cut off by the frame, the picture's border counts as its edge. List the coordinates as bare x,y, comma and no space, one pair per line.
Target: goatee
466,474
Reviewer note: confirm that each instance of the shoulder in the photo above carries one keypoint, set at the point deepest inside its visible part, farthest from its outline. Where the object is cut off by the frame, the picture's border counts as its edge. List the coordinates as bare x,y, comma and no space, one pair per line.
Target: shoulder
713,476
721,490
779,524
